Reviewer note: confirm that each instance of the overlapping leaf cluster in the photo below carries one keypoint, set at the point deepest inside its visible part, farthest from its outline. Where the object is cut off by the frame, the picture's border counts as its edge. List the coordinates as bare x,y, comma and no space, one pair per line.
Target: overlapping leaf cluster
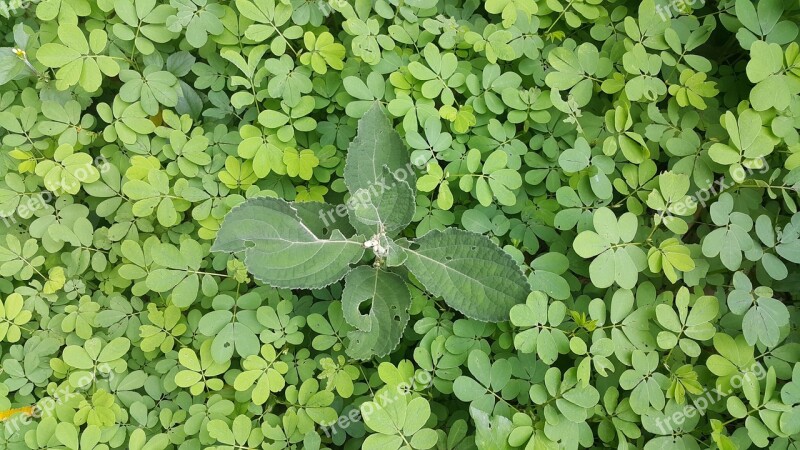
638,160
303,246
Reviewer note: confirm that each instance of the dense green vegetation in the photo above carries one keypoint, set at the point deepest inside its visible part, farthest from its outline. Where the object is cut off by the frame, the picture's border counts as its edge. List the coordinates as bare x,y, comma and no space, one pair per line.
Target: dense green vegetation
589,237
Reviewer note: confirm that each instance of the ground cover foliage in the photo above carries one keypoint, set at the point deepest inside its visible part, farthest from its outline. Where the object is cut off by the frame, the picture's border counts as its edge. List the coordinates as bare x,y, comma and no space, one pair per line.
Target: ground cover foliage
638,161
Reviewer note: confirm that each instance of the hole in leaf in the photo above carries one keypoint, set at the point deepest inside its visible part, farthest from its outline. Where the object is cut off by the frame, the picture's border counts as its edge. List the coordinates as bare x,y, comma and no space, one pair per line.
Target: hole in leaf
364,307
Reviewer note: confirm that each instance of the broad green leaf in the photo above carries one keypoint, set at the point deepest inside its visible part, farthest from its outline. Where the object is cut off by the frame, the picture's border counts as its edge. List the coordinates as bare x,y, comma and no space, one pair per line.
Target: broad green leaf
378,332
377,147
281,251
386,208
471,273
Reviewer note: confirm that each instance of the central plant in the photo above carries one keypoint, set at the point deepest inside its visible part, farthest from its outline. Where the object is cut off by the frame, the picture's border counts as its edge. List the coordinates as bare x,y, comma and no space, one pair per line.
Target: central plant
304,246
